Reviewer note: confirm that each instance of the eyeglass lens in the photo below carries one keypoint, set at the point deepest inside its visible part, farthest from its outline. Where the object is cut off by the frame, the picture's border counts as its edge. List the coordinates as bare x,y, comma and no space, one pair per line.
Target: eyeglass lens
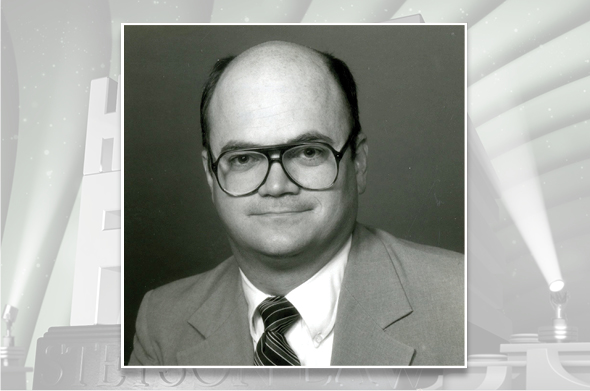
312,166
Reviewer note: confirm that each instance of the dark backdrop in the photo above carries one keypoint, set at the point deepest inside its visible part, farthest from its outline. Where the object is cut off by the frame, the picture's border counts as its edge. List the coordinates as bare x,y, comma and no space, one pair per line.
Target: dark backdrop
411,96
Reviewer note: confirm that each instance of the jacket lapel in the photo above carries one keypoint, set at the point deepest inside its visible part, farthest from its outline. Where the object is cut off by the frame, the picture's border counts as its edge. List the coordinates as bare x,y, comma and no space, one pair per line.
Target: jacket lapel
222,322
371,300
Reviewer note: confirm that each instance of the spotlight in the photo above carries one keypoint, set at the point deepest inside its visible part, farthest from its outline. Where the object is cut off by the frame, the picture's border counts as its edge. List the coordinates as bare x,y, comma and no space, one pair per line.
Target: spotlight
11,356
556,285
560,331
9,317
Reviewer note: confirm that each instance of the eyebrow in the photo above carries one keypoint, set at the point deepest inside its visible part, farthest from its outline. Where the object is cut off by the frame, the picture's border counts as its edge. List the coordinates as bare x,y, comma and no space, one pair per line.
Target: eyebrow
311,136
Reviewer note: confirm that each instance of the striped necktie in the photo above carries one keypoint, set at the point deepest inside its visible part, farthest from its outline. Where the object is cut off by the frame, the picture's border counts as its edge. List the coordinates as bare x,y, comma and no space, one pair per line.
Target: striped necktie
278,314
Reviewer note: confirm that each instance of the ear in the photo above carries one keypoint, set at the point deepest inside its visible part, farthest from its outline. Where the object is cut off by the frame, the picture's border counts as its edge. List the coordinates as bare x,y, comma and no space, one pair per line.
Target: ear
360,162
207,167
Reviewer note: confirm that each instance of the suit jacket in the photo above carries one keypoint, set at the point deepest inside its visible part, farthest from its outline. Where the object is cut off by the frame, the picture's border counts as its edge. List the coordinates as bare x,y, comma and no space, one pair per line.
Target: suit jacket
400,304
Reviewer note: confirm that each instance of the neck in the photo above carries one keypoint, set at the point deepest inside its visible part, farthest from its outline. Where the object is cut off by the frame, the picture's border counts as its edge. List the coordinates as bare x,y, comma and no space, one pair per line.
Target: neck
277,276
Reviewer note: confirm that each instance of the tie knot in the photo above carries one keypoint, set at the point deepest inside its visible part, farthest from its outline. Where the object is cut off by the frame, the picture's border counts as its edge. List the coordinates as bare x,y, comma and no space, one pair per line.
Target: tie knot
278,314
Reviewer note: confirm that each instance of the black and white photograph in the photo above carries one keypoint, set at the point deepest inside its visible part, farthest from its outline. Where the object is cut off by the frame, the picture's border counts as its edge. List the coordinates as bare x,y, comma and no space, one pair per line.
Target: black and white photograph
293,195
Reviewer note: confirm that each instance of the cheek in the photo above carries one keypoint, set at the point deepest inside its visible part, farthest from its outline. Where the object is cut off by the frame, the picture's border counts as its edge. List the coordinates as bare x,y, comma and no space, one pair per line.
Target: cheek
341,200
228,208
347,180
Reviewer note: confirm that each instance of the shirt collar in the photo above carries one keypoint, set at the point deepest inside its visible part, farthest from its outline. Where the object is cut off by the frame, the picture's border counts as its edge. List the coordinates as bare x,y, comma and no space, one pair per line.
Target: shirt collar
316,299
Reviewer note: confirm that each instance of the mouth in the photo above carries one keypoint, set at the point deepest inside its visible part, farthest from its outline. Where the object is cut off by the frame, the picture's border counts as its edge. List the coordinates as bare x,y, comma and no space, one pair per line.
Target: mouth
287,212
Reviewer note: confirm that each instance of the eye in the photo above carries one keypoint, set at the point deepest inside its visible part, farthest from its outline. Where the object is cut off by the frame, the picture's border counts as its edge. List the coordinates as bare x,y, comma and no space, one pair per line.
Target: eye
308,155
241,159
310,152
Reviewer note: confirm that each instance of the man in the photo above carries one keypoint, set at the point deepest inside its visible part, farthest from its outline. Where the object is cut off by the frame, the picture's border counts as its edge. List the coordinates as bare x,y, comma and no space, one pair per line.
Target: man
306,285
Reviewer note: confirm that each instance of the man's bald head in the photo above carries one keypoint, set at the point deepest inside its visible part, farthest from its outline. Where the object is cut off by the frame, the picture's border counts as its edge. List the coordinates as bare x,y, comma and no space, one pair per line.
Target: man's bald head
275,61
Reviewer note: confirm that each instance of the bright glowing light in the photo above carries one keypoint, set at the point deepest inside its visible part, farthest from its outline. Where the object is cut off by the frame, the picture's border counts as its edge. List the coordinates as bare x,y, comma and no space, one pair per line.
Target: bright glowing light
523,198
556,286
525,204
559,324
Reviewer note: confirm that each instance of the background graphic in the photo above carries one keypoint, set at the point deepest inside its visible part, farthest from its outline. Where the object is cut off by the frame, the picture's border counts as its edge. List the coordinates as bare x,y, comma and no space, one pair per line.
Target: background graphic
528,202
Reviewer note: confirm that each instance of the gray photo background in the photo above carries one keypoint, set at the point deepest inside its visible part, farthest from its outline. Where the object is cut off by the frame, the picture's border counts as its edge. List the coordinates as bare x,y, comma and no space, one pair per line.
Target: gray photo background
527,57
411,97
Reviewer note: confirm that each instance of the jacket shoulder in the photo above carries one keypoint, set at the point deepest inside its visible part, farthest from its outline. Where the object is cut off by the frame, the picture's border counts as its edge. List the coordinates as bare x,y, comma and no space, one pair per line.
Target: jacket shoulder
411,247
162,322
429,262
434,283
172,297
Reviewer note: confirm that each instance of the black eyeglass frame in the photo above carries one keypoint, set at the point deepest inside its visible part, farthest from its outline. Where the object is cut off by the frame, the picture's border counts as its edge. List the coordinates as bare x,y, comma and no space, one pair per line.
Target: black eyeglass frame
281,149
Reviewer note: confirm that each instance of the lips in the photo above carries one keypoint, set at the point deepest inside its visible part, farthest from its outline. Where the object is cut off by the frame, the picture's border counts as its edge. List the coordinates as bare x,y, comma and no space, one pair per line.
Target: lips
281,207
280,212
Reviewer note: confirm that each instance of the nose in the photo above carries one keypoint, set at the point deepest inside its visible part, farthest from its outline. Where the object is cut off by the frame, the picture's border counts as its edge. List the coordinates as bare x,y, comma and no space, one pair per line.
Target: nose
277,182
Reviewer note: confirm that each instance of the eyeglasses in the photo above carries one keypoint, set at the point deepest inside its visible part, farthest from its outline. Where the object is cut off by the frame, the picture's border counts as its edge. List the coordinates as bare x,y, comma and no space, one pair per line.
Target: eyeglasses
310,165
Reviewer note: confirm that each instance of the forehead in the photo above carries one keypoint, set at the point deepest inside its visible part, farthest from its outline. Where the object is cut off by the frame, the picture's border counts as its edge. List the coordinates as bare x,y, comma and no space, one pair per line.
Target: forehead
273,98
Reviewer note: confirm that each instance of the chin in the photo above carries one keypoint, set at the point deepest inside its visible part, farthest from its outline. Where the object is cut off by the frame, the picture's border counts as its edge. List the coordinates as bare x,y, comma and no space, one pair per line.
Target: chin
277,244
282,235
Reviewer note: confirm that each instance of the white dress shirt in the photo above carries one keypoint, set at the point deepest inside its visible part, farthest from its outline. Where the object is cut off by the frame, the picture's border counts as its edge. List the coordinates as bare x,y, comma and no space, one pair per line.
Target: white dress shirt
312,336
